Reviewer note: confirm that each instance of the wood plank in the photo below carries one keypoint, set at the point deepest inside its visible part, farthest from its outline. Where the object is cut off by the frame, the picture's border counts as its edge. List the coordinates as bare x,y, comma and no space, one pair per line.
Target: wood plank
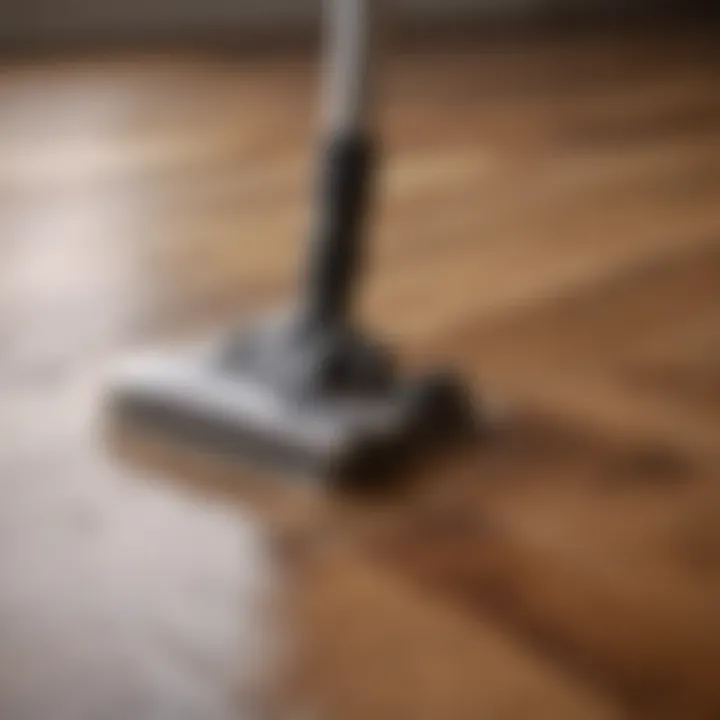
377,649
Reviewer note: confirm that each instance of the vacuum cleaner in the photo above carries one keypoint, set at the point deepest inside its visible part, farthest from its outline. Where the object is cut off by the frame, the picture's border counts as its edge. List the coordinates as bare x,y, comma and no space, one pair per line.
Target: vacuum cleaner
308,391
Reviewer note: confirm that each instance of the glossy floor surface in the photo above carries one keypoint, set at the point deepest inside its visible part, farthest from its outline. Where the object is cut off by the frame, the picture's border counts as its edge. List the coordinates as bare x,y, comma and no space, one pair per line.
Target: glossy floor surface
548,220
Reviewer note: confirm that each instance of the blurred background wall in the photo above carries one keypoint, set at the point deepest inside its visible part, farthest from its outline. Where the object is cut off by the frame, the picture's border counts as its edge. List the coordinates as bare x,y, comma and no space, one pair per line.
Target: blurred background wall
40,20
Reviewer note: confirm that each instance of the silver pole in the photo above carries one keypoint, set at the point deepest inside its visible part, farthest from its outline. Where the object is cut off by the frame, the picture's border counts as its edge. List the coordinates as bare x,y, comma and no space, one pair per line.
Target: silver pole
351,29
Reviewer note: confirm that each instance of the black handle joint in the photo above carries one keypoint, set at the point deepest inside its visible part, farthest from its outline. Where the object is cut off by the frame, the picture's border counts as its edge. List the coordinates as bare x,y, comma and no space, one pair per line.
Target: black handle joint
335,255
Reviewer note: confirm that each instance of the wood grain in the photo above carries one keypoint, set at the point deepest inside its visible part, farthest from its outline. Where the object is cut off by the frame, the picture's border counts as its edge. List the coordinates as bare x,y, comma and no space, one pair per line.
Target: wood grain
547,219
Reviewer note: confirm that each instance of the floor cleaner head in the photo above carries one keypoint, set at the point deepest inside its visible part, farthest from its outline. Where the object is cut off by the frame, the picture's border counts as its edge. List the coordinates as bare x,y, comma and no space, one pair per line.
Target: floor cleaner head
328,405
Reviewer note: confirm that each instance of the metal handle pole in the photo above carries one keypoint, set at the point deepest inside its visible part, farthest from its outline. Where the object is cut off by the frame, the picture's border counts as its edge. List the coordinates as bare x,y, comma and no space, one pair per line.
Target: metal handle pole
351,39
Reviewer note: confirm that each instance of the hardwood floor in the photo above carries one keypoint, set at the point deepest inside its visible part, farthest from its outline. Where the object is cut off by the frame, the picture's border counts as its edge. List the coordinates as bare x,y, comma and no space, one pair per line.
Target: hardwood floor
548,220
